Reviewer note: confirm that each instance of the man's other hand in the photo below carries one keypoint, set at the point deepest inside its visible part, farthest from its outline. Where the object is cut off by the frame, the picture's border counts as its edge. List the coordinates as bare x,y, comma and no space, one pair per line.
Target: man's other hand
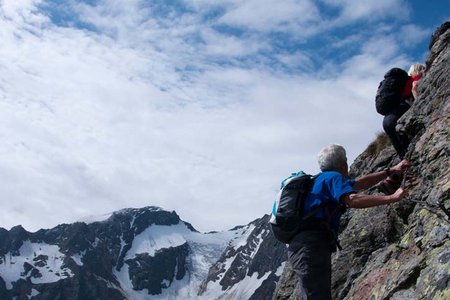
399,194
400,167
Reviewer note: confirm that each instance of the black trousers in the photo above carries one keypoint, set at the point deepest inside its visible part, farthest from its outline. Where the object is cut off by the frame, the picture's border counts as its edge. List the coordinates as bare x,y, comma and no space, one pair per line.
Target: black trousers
399,140
310,256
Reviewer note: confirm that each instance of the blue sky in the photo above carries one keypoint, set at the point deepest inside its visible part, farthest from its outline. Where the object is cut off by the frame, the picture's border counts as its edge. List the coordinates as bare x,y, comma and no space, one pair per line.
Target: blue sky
198,106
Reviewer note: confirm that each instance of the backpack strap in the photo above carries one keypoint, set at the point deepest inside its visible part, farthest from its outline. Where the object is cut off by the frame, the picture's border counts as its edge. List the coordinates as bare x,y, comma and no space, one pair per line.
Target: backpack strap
319,207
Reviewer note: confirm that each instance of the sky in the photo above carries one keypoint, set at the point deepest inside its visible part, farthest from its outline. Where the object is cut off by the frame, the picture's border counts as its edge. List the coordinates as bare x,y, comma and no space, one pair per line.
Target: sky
196,106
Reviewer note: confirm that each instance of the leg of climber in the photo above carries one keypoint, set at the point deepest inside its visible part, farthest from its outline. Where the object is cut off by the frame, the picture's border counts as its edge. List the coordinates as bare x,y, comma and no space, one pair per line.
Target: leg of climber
389,122
310,256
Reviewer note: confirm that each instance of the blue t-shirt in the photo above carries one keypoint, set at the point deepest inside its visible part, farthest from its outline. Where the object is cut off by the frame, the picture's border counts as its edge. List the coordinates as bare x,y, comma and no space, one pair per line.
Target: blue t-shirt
329,186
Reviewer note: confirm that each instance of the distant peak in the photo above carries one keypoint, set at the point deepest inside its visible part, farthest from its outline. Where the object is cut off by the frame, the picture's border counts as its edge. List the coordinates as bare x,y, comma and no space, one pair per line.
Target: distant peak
137,211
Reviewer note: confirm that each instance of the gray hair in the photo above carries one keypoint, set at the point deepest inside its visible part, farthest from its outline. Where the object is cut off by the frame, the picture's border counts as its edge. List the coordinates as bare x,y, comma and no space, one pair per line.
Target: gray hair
416,70
331,157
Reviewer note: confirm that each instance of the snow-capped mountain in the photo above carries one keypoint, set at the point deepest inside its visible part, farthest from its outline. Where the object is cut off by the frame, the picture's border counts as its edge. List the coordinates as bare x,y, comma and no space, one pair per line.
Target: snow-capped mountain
145,253
250,265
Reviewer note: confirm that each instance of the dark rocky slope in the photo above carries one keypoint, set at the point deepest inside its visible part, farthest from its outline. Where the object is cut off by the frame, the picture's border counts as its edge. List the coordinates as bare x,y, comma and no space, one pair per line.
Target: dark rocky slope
402,251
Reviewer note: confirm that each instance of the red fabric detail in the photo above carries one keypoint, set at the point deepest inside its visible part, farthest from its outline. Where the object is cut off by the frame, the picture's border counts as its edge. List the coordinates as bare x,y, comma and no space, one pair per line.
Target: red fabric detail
408,87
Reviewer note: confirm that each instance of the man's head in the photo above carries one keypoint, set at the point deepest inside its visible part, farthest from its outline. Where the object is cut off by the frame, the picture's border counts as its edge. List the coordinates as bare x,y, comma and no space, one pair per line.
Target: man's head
416,70
333,158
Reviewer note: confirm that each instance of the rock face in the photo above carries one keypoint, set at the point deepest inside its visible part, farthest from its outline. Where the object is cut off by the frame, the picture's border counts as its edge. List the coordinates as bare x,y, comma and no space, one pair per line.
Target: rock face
402,251
145,253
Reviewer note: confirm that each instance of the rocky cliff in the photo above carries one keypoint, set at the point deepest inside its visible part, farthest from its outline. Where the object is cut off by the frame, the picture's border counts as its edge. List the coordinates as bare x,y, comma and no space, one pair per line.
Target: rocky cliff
402,251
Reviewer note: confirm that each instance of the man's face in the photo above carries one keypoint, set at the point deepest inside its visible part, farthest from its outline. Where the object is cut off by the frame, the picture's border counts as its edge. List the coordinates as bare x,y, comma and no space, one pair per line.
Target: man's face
344,168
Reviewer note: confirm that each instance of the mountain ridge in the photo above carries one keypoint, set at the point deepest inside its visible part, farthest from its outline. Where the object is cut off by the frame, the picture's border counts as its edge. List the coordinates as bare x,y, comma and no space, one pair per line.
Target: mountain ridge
137,253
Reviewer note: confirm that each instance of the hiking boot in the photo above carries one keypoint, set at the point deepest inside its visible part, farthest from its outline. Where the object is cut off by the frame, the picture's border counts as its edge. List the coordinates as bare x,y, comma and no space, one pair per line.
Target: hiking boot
390,184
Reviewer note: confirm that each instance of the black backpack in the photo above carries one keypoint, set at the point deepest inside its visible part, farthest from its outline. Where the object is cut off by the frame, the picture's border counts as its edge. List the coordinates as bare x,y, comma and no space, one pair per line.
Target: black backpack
287,212
389,93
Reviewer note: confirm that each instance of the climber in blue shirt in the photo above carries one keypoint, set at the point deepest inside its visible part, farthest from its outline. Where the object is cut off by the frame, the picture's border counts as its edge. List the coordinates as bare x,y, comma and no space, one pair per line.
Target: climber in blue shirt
333,191
328,188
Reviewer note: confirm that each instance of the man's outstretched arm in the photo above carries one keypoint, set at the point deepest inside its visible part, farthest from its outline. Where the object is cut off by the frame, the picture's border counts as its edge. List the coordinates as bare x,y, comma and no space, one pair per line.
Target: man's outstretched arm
363,201
367,181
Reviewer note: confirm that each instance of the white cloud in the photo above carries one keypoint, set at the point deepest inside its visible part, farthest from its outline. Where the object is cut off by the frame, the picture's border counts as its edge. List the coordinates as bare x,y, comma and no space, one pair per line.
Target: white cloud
296,60
217,44
352,10
375,53
412,34
19,10
167,110
272,15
